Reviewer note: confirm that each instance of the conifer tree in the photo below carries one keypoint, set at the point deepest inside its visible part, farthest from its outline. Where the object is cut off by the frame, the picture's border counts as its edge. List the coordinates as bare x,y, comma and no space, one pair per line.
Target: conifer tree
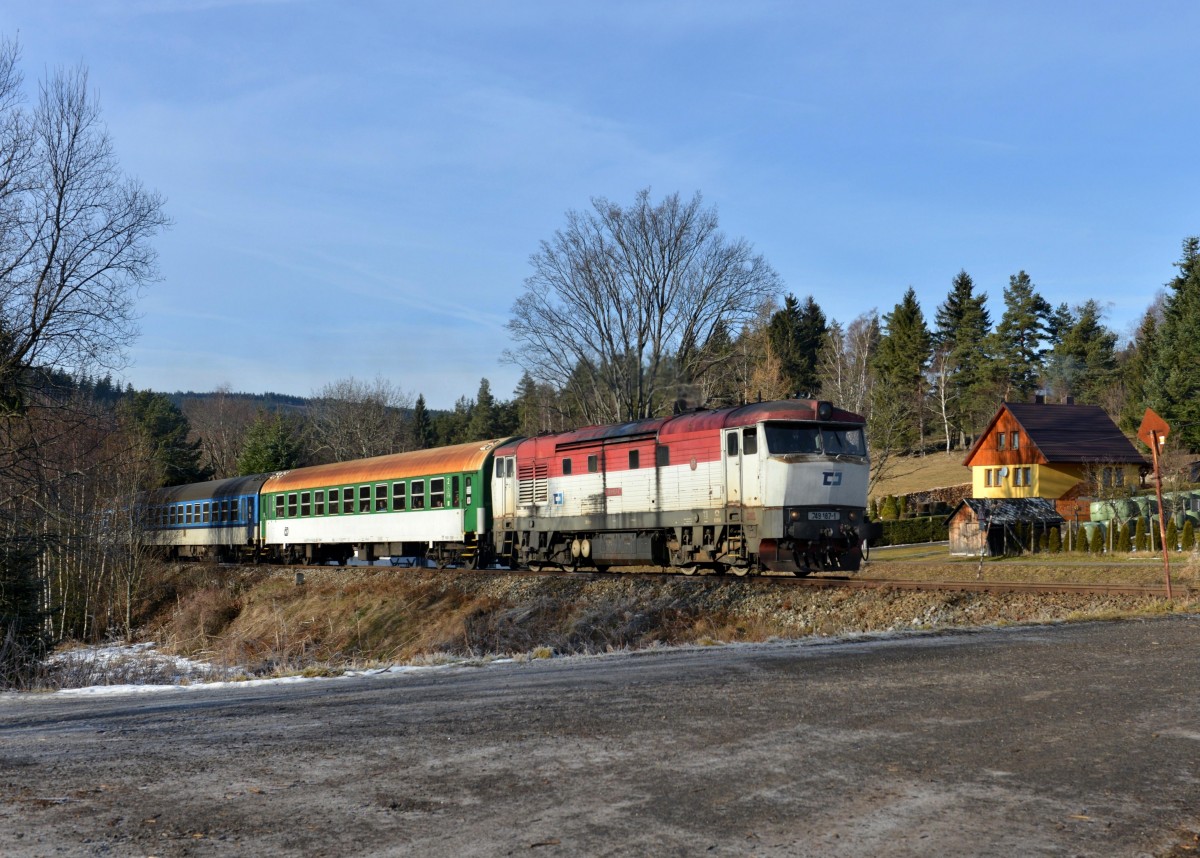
422,426
1055,544
1174,388
272,444
1018,339
1083,363
1187,542
1135,370
900,363
1123,537
159,423
796,334
1139,534
1172,534
482,425
1096,545
961,335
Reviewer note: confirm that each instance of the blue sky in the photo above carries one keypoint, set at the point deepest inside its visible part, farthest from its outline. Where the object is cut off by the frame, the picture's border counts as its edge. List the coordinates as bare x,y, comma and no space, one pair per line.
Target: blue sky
356,187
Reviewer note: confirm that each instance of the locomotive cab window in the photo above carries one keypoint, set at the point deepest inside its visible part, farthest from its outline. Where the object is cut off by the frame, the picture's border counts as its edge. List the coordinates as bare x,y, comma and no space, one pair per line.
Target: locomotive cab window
750,441
633,460
398,496
437,493
662,455
417,496
593,464
731,443
566,467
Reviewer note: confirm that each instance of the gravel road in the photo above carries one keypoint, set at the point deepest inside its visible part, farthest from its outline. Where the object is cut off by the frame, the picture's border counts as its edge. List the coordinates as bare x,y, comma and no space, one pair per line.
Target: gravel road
1062,740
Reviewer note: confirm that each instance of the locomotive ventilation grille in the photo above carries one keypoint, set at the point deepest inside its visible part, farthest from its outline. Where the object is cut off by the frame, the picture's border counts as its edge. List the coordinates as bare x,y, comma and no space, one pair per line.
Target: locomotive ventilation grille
532,482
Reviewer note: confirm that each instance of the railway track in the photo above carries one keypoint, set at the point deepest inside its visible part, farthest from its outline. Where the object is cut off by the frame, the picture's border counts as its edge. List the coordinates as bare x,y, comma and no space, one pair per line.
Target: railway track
825,581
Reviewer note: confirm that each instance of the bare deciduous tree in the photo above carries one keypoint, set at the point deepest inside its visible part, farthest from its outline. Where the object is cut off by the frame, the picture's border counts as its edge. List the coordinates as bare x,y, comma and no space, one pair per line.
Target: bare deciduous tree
352,419
622,300
221,422
74,230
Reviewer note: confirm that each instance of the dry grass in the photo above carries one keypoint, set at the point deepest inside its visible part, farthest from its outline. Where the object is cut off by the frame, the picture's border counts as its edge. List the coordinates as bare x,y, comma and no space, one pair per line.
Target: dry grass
907,474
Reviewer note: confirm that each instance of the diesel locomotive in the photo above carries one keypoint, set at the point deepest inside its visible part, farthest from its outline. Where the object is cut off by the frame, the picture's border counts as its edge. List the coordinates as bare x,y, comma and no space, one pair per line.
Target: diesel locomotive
770,486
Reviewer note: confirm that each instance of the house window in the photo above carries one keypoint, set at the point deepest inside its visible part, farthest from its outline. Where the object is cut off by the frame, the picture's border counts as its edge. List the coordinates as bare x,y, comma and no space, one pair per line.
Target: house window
437,493
1119,476
398,496
417,495
1028,473
593,464
566,466
1106,477
987,477
1014,440
1000,440
633,460
662,455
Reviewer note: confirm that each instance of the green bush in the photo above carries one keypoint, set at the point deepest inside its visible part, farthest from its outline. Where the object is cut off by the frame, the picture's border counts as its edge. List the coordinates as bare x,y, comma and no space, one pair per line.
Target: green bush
906,531
873,509
1097,542
1139,534
1122,538
902,506
1054,543
1188,541
1172,535
889,510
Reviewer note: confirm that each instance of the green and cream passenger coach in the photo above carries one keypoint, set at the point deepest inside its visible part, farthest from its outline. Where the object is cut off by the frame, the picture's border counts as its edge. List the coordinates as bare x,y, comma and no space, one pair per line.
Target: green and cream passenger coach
425,504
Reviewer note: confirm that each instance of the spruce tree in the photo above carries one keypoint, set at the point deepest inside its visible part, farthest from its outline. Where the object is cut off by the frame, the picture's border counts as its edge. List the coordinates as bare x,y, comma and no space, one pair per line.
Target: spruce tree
422,426
1174,388
900,363
1018,340
482,425
164,429
1083,363
1136,365
272,444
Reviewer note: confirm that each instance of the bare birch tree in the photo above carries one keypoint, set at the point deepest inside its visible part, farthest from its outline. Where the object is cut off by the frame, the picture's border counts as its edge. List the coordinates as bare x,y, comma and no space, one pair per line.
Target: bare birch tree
353,419
622,300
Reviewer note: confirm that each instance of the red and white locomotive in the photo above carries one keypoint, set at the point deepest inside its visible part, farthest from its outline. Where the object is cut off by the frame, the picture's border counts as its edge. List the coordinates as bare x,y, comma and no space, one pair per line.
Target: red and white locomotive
779,486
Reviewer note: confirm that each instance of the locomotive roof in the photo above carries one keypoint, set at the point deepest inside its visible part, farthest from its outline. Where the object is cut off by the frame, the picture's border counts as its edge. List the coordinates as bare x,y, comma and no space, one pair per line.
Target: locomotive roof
229,488
397,466
695,421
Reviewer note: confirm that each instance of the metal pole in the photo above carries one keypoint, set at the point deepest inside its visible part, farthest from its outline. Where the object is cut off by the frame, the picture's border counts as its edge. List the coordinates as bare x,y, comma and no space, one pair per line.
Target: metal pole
1162,523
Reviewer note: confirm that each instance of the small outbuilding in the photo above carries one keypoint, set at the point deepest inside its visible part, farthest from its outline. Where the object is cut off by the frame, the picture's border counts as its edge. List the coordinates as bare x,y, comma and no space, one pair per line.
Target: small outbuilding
989,525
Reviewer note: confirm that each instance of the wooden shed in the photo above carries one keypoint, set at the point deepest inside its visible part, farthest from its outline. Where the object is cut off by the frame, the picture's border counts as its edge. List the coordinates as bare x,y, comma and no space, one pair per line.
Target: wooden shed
989,525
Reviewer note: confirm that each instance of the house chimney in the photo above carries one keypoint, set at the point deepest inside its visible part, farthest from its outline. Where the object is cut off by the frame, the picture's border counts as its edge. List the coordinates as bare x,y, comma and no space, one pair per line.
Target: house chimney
1039,399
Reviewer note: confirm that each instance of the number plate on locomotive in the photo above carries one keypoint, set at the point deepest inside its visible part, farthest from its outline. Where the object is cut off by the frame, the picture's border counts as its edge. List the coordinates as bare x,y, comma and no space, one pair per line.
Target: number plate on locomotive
822,516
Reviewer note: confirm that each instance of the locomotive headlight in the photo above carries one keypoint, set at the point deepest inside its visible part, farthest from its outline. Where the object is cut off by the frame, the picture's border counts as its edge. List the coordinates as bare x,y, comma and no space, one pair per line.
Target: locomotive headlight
852,515
794,515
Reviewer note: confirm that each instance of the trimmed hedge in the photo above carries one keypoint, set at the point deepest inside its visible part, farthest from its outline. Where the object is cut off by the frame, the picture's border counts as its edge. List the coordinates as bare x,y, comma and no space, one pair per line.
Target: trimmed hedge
906,531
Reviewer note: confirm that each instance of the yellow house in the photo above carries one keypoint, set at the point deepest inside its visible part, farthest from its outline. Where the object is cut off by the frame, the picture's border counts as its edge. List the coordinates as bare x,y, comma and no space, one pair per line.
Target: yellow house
1058,452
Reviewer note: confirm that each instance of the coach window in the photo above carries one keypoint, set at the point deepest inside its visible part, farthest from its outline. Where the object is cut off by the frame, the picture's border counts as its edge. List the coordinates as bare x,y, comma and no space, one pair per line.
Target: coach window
381,497
633,460
593,464
225,511
437,493
306,504
469,481
566,466
319,501
750,441
416,496
171,515
662,455
187,514
398,496
454,495
335,505
347,500
291,505
731,444
207,512
364,498
233,510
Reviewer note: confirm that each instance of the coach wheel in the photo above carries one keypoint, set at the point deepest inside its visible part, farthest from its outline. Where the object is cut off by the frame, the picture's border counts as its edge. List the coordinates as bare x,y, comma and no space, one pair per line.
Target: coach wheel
739,571
688,570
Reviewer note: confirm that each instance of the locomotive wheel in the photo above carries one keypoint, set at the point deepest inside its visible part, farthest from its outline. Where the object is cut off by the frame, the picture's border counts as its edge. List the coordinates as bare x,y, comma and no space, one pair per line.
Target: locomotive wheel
739,571
688,570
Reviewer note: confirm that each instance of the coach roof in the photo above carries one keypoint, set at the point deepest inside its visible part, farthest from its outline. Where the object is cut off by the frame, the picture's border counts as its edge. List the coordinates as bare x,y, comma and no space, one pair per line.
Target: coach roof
397,466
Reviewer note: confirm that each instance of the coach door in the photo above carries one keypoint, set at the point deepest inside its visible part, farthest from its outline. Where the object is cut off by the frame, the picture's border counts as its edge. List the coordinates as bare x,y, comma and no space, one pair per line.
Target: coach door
742,465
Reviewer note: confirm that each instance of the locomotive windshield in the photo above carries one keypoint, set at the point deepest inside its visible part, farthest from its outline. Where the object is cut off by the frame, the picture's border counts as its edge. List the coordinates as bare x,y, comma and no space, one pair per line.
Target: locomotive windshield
785,438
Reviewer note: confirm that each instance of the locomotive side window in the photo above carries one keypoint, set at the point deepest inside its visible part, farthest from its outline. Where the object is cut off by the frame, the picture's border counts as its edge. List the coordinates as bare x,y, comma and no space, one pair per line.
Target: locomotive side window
593,464
633,460
347,500
418,494
364,498
731,444
398,496
750,441
306,504
437,493
566,466
454,496
381,497
319,501
662,455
